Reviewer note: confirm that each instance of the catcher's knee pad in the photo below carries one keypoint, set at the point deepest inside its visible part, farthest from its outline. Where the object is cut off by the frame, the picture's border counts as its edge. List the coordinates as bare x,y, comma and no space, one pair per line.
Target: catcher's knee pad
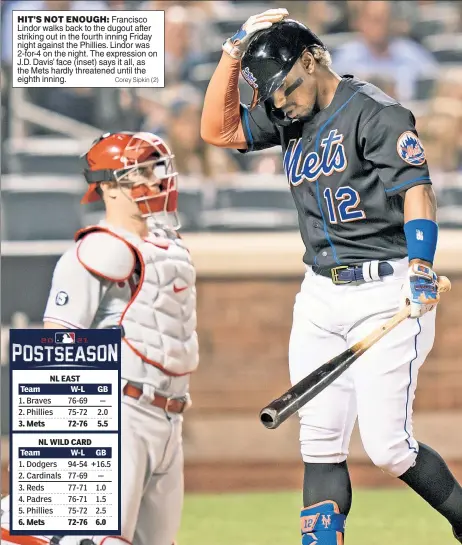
322,524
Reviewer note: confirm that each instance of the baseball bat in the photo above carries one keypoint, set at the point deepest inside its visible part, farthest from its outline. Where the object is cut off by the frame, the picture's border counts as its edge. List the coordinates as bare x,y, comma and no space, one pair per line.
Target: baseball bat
279,410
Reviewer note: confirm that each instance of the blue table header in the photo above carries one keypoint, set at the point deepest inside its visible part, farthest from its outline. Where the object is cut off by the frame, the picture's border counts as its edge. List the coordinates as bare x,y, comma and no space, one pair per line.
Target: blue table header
67,348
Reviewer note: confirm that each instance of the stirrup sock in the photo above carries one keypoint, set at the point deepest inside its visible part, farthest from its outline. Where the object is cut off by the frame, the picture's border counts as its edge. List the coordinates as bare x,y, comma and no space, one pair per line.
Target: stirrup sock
322,524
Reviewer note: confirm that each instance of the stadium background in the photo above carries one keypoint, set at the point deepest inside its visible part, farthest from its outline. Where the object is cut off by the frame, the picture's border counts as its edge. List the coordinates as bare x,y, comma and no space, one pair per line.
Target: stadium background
237,215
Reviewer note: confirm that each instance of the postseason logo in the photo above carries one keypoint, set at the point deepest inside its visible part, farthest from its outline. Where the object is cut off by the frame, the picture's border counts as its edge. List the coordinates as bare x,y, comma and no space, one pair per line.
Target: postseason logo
65,347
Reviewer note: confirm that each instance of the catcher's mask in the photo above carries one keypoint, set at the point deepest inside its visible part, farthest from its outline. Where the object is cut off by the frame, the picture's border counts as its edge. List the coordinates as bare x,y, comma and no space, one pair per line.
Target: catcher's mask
270,56
135,160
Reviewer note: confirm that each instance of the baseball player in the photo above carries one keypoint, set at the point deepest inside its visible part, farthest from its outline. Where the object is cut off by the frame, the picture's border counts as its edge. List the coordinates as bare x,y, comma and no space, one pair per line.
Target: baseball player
132,271
358,175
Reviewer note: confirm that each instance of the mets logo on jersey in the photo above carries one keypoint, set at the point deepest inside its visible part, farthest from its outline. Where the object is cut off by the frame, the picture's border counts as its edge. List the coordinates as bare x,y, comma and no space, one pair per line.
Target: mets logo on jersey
410,149
310,167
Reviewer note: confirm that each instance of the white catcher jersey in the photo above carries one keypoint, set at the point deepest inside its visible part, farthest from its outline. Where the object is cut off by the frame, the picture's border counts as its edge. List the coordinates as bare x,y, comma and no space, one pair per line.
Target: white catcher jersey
145,286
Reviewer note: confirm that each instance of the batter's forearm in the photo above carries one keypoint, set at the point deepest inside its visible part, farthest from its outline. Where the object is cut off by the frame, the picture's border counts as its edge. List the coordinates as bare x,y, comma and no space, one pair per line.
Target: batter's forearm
420,209
221,116
420,203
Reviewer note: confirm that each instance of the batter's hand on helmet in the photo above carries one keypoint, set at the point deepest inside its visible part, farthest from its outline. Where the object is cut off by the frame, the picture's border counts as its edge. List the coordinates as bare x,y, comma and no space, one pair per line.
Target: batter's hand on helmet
420,290
237,44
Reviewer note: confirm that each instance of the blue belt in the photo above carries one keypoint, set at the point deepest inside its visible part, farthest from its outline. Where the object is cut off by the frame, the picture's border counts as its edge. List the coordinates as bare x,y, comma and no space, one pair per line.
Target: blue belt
345,274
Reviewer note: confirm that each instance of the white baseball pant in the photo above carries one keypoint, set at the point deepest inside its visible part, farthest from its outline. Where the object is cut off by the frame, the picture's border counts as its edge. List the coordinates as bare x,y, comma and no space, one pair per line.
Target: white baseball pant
378,388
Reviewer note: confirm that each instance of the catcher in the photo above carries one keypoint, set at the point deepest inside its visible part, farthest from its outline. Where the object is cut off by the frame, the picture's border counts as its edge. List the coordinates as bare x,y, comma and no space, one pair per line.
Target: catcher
133,272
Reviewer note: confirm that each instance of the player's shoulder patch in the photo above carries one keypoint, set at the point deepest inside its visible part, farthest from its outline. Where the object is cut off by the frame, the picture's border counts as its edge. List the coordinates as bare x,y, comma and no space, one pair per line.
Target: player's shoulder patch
410,149
62,298
106,255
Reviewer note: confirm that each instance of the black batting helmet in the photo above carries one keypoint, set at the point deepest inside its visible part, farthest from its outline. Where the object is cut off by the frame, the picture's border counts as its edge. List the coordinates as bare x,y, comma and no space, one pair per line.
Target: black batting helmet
272,53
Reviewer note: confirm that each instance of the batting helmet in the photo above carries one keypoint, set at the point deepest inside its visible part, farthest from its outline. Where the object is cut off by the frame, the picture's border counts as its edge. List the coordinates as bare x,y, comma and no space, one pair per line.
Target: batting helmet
272,53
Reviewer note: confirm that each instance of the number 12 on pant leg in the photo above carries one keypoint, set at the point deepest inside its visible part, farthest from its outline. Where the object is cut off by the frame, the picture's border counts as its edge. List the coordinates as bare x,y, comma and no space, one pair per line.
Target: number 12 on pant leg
346,201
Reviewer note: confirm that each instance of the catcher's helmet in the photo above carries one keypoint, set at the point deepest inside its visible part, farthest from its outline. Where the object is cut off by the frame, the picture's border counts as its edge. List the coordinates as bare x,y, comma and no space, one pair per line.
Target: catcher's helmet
115,157
272,53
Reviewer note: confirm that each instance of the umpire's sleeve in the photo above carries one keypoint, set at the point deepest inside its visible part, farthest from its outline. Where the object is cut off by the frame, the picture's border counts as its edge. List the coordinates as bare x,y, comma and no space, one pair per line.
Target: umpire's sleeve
260,132
389,140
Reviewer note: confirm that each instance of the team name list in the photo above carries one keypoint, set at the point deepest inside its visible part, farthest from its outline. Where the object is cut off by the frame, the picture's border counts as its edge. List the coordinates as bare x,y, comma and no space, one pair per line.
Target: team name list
65,432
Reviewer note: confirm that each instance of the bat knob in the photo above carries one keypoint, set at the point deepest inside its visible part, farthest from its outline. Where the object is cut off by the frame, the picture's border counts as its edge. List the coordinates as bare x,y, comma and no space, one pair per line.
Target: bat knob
444,284
269,418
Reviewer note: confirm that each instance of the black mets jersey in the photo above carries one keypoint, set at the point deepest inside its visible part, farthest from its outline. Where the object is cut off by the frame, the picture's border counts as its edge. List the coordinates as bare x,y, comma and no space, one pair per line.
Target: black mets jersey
346,168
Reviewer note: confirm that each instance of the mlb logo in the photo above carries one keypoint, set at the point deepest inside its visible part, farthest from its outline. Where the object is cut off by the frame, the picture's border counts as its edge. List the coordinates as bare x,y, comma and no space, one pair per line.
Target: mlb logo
65,338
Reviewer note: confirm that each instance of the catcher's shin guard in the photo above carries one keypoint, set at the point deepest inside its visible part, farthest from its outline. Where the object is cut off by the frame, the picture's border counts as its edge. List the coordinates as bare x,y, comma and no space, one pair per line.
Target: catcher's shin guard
322,524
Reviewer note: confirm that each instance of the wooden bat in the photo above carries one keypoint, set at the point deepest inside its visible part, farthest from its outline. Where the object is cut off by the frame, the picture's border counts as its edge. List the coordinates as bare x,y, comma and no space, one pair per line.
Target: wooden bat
279,410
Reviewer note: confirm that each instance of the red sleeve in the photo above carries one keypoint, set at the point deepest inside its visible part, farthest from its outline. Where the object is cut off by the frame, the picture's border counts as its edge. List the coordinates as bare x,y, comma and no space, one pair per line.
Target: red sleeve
221,116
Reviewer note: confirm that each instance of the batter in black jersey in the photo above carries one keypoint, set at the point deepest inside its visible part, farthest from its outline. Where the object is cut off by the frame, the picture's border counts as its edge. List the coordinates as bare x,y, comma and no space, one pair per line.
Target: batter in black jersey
367,214
347,198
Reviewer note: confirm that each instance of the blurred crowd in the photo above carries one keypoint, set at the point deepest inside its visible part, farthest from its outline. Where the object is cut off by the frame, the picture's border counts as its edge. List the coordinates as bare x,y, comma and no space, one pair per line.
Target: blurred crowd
410,49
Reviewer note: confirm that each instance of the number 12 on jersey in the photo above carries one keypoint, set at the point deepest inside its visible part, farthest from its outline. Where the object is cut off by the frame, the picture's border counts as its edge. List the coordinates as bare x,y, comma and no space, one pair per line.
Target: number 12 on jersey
345,201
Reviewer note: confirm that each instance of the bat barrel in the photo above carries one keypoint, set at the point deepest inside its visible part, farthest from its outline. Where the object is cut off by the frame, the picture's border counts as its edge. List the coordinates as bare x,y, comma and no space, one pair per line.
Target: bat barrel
269,418
279,410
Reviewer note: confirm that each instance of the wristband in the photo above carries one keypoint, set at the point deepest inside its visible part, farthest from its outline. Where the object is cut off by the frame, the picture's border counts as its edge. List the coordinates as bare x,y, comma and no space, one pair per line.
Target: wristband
421,238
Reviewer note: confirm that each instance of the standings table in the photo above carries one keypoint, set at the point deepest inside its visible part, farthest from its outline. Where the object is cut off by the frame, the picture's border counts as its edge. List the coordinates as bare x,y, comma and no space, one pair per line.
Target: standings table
65,432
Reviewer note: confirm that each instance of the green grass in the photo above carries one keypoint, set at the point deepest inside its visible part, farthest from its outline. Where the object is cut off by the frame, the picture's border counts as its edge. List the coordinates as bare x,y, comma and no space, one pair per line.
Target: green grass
378,517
